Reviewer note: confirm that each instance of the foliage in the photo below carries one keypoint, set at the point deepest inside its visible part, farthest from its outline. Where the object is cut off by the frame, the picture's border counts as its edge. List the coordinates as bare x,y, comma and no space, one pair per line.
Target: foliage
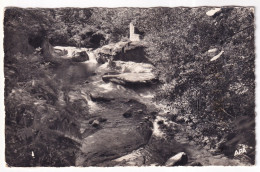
216,92
36,119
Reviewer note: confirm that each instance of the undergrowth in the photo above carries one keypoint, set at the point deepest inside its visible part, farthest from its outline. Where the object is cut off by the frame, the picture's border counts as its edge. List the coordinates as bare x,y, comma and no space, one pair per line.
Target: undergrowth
41,125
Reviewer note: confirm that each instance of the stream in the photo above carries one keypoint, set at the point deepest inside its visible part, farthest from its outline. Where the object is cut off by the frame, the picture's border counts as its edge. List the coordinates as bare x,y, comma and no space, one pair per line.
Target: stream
122,125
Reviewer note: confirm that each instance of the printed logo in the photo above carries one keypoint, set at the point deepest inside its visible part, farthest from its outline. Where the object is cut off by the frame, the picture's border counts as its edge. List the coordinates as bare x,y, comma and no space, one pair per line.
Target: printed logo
241,149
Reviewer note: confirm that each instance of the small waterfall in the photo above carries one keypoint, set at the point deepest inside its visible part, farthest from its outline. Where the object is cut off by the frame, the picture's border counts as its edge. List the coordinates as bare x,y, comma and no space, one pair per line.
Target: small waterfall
156,128
92,57
92,62
71,50
93,107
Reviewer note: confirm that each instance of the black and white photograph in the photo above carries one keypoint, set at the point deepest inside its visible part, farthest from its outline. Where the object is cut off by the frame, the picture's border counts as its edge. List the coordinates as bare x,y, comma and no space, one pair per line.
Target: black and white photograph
128,86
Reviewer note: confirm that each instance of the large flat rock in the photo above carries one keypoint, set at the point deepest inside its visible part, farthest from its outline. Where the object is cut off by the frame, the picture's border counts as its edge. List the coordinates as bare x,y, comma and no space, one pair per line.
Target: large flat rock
130,78
133,67
113,48
108,144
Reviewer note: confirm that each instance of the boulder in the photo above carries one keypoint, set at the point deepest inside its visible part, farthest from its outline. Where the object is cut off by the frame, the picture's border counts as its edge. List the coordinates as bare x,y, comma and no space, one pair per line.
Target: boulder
139,157
80,56
95,123
118,136
130,78
177,160
124,51
101,59
115,143
99,97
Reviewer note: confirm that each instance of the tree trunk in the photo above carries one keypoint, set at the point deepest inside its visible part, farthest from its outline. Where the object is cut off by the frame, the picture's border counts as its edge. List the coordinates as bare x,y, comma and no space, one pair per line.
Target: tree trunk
47,49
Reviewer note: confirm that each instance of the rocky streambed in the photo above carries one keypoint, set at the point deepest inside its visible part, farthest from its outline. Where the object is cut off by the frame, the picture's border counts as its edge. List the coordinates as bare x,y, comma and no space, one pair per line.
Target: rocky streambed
124,126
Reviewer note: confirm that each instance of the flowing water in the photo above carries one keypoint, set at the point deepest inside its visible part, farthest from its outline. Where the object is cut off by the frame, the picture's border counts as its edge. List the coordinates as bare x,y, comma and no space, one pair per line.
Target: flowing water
116,101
